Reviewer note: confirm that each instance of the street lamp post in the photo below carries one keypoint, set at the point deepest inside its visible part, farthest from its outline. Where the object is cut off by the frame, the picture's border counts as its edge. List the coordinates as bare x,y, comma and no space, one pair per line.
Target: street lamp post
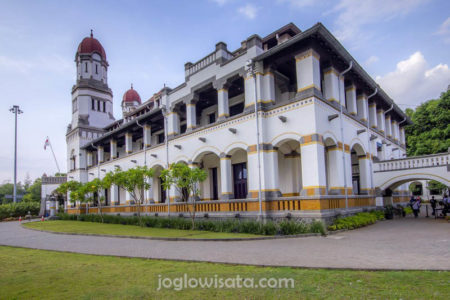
15,110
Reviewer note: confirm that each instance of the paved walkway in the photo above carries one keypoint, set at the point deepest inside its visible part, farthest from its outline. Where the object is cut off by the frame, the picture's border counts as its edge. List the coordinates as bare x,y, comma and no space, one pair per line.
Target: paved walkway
398,244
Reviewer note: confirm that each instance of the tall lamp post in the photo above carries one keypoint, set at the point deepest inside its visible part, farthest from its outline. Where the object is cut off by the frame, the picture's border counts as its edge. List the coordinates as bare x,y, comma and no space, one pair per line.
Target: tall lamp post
15,110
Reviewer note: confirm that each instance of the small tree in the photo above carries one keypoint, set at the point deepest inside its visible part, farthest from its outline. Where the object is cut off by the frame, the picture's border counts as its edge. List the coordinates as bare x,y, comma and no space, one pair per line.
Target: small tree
186,180
134,181
97,185
76,190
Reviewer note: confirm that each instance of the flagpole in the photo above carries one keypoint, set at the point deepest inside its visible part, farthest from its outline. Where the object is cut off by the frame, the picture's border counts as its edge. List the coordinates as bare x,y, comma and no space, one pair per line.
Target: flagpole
51,148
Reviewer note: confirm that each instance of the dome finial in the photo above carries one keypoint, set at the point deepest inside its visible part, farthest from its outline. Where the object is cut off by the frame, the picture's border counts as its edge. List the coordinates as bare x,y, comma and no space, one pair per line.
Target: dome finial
131,86
92,34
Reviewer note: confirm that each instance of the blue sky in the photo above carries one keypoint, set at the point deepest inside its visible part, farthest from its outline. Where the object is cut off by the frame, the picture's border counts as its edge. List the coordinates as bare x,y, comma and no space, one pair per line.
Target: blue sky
403,44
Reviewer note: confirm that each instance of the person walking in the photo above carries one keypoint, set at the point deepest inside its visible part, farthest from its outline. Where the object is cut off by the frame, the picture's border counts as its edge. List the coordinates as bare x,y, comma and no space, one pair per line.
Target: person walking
433,205
416,207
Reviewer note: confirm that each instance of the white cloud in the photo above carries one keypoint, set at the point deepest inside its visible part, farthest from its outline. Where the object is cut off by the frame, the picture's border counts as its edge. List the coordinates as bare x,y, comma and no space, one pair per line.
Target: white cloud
299,3
414,82
353,15
371,60
444,30
221,2
249,11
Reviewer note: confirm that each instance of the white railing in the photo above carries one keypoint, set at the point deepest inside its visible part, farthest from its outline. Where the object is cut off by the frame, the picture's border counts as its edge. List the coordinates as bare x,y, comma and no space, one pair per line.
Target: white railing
201,64
434,160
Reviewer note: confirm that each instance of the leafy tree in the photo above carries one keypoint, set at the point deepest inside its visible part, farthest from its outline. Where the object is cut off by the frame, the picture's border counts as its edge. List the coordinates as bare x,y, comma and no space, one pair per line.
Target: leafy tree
97,186
33,193
436,188
8,189
186,180
430,131
135,181
76,190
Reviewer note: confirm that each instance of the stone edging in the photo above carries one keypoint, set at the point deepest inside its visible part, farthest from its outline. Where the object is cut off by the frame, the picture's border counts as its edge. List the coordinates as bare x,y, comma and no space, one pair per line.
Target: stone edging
181,239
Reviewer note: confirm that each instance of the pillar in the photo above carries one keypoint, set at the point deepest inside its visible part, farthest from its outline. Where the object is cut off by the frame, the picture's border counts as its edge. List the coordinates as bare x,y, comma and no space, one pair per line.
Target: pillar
331,82
373,122
395,131
128,142
114,191
147,135
191,116
100,154
222,101
113,146
350,94
174,194
268,88
348,169
128,198
173,123
364,173
388,126
148,194
335,170
307,66
313,165
361,102
249,90
380,120
89,159
402,136
226,177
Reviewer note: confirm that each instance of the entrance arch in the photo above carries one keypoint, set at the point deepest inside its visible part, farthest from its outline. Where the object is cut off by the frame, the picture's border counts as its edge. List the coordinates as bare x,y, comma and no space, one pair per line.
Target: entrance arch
360,170
211,187
289,167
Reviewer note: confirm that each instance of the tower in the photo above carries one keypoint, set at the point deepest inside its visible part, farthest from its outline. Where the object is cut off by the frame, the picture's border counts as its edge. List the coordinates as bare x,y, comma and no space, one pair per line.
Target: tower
92,104
130,101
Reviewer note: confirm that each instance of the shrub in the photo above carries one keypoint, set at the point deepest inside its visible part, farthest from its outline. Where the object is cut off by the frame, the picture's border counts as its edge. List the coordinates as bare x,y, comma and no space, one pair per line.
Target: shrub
357,221
19,209
230,225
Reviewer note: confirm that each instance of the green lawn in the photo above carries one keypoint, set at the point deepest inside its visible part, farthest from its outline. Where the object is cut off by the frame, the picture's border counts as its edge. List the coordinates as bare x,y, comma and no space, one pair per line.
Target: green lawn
130,230
27,273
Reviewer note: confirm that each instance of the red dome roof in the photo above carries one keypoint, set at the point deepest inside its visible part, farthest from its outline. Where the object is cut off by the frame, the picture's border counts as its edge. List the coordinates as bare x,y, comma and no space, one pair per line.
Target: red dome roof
90,45
131,96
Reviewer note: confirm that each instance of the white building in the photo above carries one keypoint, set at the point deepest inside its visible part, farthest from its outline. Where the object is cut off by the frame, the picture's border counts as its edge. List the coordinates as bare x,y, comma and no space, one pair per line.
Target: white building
319,129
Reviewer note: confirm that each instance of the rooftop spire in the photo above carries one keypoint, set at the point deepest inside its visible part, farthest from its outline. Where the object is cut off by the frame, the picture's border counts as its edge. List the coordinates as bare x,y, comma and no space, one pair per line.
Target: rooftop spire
92,34
131,86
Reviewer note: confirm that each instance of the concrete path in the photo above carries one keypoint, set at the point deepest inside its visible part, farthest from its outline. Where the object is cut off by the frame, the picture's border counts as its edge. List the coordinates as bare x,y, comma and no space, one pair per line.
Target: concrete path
398,244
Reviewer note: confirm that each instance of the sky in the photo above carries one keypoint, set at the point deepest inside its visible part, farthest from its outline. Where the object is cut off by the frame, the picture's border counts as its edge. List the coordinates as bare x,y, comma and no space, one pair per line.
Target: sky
402,44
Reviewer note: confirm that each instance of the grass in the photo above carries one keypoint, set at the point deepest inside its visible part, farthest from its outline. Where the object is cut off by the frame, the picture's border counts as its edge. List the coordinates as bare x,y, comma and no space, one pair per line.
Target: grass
130,230
28,273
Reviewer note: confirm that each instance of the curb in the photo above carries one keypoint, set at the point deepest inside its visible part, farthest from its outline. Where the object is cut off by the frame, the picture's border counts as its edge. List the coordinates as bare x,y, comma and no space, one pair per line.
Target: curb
181,239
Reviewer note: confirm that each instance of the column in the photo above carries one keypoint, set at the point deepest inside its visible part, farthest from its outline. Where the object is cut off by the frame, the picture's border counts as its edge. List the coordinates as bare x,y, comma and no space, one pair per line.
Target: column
174,194
348,169
373,122
191,116
388,126
402,136
249,91
89,159
361,101
380,120
113,146
335,170
350,93
364,173
307,66
128,142
173,123
268,87
222,101
100,154
395,132
148,194
226,177
147,135
128,198
114,191
331,82
313,165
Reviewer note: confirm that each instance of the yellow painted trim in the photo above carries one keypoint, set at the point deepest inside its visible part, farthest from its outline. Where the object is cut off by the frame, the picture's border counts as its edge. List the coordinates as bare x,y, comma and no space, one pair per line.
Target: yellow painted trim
331,71
350,88
307,87
222,90
224,115
227,193
353,113
264,190
311,143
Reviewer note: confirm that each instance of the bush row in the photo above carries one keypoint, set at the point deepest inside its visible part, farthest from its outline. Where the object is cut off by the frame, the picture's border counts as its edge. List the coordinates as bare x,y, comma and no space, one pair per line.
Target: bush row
357,221
232,226
18,209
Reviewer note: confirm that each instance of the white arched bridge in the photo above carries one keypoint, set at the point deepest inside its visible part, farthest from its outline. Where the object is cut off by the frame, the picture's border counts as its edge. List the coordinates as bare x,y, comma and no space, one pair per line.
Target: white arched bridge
392,173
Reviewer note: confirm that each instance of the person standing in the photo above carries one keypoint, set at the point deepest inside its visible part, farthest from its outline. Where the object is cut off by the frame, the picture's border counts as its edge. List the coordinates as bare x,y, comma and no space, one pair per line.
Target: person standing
416,207
433,205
